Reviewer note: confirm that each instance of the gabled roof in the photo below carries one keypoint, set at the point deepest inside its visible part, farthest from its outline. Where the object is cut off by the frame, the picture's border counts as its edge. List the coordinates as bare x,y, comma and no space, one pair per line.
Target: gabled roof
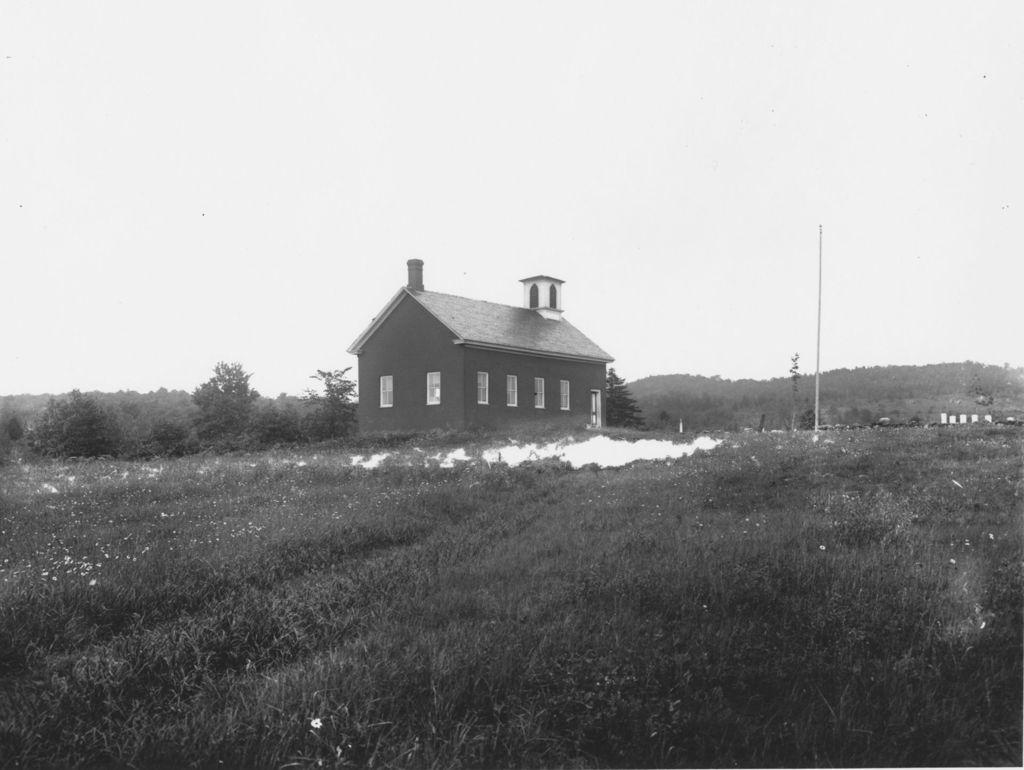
491,325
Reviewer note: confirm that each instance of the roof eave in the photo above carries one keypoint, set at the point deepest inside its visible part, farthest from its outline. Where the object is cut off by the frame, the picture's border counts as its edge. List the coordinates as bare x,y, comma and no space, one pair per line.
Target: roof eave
606,359
357,345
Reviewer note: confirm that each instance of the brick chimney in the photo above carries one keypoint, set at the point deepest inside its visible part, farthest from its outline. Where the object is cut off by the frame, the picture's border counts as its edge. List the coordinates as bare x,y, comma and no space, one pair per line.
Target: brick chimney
415,274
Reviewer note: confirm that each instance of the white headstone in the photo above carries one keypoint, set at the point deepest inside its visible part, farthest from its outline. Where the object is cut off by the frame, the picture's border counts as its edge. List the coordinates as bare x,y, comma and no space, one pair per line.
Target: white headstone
943,418
988,418
952,419
974,418
963,419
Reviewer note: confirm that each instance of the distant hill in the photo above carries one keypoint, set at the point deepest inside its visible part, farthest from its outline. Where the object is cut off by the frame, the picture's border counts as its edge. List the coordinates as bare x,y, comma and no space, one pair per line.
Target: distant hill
848,396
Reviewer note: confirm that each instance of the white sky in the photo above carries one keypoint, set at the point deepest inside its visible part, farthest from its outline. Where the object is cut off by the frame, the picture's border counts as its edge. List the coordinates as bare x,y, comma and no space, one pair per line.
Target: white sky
189,182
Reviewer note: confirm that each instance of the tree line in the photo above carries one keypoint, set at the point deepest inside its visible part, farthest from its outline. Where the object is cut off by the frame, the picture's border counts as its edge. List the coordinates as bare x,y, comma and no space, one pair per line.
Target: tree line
225,413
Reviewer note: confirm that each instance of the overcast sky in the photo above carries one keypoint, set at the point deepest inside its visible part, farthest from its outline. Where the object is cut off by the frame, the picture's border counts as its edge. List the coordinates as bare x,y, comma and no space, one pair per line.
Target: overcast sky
184,183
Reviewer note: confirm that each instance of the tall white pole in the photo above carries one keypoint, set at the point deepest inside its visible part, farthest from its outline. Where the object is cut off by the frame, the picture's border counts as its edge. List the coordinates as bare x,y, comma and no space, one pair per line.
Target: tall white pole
817,362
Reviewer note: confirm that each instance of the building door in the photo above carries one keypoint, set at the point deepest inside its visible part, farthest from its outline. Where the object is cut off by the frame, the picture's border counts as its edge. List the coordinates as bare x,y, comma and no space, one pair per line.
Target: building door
595,409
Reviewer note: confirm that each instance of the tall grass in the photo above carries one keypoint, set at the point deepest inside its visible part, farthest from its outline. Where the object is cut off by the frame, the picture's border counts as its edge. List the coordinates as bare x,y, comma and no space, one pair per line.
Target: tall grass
771,603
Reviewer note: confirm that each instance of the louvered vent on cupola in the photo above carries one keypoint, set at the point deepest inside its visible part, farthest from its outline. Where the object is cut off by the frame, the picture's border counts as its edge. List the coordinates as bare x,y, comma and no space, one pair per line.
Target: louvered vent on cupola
543,294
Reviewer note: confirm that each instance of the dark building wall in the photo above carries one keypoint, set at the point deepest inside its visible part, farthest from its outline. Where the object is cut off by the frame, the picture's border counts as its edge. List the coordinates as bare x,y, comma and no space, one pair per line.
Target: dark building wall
582,377
408,344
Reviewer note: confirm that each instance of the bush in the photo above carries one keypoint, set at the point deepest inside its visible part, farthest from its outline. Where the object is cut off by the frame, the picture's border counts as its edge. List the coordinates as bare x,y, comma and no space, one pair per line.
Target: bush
76,427
11,427
169,439
273,426
5,447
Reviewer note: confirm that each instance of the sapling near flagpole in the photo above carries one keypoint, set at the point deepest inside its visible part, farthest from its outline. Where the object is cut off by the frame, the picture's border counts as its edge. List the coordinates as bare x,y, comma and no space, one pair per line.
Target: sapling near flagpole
794,377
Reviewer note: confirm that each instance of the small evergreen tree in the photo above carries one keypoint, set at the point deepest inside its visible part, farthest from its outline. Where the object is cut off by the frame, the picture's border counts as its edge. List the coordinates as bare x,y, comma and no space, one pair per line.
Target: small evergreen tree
334,410
623,411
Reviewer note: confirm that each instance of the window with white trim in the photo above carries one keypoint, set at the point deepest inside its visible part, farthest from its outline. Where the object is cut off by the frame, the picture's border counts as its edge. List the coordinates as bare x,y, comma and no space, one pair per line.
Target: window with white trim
433,387
387,390
563,394
538,392
511,390
482,388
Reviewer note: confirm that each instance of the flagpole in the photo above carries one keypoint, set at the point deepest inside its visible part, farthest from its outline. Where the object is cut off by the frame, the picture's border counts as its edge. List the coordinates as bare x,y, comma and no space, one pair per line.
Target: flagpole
817,363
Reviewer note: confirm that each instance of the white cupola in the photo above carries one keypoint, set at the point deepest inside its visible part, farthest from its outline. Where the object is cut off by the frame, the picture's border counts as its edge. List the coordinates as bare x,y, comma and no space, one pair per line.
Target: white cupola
543,294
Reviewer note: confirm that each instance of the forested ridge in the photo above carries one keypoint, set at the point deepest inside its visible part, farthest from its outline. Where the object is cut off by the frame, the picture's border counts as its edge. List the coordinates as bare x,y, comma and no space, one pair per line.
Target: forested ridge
858,396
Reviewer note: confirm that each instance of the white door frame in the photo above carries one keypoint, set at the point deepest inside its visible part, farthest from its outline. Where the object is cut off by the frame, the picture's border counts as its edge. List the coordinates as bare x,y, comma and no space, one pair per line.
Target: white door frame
595,409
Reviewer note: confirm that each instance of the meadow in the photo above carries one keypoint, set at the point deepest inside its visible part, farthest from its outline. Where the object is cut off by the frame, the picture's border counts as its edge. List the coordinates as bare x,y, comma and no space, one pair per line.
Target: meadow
772,601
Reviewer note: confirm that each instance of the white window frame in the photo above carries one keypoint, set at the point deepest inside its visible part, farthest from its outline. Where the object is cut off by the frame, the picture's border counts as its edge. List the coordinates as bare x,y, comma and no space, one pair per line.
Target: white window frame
387,394
563,395
483,388
538,392
511,390
433,388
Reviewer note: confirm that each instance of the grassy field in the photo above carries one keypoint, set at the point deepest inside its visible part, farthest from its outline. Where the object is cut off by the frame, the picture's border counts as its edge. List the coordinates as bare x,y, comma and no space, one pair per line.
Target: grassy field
770,602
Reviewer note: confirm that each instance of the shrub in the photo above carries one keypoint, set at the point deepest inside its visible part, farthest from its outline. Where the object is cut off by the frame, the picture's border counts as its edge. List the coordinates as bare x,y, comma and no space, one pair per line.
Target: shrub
272,426
5,447
170,439
76,427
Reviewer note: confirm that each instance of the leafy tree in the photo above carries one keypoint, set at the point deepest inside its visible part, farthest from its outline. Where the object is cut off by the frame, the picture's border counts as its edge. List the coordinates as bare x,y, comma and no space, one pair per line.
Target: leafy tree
76,427
333,410
225,404
623,411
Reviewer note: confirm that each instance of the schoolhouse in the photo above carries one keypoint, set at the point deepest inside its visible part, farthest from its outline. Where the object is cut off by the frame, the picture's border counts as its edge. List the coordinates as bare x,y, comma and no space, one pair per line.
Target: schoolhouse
431,360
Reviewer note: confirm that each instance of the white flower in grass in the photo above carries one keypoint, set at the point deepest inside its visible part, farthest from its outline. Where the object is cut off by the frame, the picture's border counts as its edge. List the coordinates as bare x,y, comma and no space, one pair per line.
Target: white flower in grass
316,723
821,547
